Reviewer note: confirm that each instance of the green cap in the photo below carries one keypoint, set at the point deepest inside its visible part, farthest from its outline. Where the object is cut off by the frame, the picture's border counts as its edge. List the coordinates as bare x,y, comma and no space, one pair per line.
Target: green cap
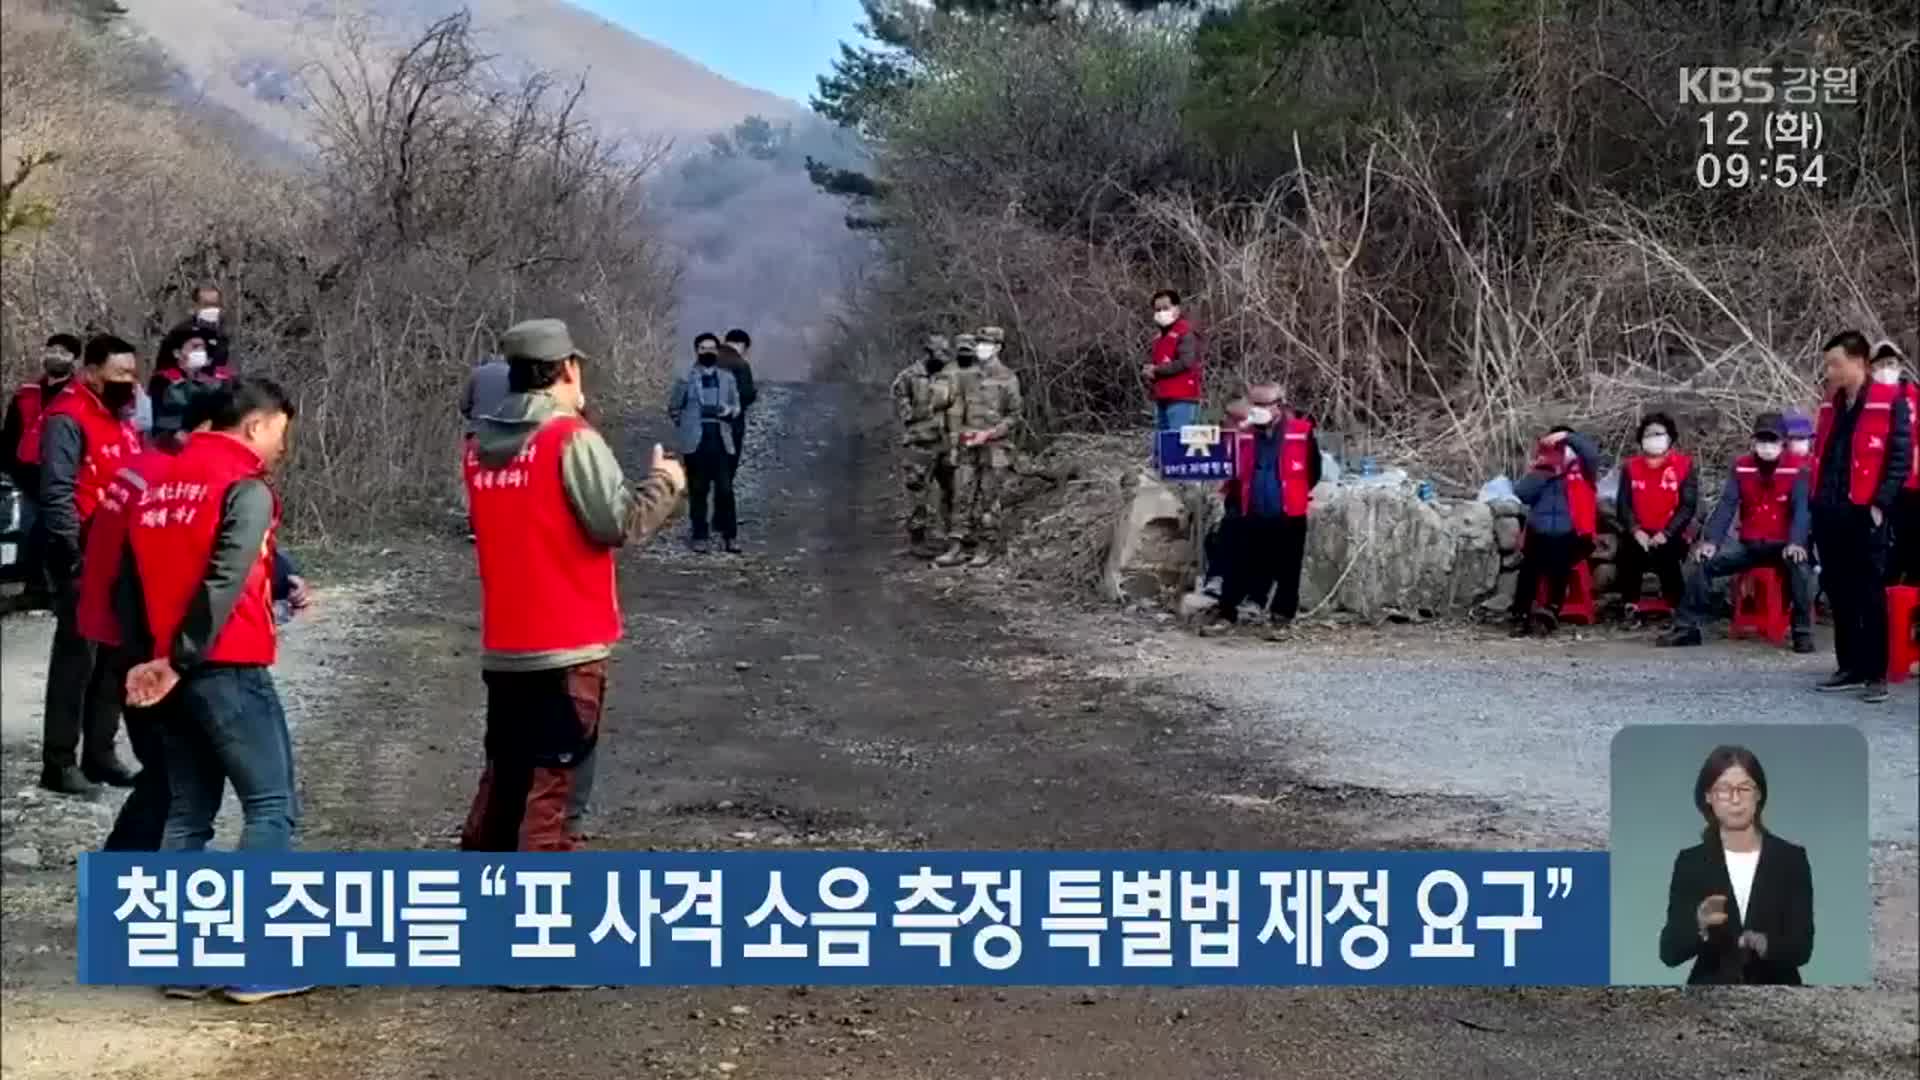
993,335
963,341
538,339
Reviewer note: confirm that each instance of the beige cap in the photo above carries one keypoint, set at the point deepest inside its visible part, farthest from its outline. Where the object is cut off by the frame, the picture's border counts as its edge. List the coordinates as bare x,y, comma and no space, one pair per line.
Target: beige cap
964,341
993,335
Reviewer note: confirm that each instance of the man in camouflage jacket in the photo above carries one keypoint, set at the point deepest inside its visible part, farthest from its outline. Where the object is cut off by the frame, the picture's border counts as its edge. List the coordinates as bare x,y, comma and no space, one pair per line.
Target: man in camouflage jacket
980,423
922,393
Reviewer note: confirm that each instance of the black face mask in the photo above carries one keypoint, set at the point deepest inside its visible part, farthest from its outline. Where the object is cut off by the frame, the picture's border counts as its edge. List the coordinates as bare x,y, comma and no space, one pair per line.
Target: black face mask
935,362
708,359
116,395
966,359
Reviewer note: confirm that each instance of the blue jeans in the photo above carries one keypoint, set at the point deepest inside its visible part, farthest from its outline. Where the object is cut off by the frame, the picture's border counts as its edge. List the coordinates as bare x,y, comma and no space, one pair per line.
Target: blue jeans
229,725
1174,415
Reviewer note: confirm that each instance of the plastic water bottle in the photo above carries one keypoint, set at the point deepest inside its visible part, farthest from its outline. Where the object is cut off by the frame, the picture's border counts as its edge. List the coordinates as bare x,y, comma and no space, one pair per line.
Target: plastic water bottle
1426,491
1367,467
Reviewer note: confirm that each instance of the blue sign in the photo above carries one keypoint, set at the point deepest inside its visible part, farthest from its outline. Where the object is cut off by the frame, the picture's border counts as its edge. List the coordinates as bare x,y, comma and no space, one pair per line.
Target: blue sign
860,918
1194,452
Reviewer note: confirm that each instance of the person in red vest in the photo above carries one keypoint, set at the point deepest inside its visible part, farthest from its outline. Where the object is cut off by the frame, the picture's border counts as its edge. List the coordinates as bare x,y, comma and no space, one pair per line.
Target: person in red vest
1563,517
1889,367
1863,446
86,432
1276,465
184,356
1658,497
550,507
1767,494
20,443
1174,369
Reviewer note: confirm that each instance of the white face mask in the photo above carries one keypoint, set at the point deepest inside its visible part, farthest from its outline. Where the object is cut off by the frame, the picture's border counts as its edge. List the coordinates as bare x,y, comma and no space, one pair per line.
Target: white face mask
196,359
986,352
208,316
1655,445
1259,416
1886,374
1801,447
1167,317
1767,451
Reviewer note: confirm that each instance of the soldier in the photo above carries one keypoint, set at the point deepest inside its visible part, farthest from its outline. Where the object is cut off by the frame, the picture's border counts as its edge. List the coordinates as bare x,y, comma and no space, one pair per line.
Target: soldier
986,405
921,395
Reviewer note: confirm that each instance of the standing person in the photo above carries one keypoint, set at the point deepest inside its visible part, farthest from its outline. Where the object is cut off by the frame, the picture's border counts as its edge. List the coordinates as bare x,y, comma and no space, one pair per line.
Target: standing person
980,419
184,356
702,405
20,443
1563,515
1863,446
1174,365
550,509
1658,497
1767,493
1276,466
921,394
207,322
486,388
1904,567
733,356
85,434
1217,548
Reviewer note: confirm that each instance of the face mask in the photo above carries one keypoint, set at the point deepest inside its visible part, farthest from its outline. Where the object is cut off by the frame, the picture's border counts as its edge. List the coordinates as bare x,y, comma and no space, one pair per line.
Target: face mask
57,364
1165,318
966,359
935,362
985,352
1655,445
207,316
1767,451
1886,376
196,360
1800,447
116,395
1259,416
709,359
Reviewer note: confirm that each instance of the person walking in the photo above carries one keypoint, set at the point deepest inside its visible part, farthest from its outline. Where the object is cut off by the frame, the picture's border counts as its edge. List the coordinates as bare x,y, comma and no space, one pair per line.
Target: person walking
1276,466
86,432
981,416
1863,449
551,507
1655,504
921,393
1173,368
1562,520
1767,494
734,350
207,323
702,405
184,356
20,443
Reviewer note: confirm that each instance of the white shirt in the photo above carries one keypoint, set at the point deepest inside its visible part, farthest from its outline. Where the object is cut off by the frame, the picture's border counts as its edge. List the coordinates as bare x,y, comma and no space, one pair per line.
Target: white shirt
1740,868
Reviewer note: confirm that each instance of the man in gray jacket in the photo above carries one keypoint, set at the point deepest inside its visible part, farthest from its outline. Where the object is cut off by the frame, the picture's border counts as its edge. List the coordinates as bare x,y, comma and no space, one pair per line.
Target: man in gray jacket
1562,516
703,404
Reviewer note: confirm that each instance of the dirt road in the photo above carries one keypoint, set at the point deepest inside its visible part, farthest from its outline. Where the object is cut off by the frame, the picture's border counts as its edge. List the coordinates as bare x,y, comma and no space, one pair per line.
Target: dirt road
821,692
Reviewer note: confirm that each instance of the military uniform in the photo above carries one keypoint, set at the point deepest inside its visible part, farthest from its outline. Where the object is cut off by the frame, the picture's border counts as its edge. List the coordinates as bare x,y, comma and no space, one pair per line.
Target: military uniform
986,400
921,400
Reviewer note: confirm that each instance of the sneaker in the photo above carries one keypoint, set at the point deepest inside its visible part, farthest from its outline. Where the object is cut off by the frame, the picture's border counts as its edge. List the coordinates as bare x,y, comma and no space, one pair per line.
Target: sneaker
1804,646
731,547
1278,630
1218,625
113,774
1839,681
953,556
254,995
1213,586
984,558
699,547
1874,692
1679,637
66,781
1545,622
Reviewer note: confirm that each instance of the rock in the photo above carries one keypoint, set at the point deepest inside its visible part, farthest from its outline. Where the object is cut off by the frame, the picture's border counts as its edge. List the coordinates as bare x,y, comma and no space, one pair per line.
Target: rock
1501,599
1476,555
739,1010
1150,550
1510,560
21,857
1375,549
1506,530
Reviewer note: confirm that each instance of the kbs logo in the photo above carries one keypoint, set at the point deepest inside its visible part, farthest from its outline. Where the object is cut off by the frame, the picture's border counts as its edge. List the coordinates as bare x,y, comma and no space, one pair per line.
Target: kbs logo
1726,86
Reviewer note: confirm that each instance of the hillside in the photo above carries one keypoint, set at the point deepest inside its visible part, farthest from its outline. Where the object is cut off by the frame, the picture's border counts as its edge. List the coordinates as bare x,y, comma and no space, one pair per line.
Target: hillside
247,55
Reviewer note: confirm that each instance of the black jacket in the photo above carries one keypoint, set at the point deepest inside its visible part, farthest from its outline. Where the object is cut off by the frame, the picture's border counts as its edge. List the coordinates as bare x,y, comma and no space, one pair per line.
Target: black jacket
1782,910
25,477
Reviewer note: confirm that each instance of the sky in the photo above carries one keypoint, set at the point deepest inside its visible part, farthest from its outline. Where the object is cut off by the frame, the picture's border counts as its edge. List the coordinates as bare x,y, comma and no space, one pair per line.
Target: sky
775,45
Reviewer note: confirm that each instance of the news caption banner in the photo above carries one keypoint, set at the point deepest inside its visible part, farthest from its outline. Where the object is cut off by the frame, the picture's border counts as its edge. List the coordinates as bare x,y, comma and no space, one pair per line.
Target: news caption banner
1763,126
847,918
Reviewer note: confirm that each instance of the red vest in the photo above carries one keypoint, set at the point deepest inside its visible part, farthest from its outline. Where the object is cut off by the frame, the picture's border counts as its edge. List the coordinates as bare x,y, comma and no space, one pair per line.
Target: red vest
109,441
1869,440
29,398
1295,492
1655,490
95,616
173,531
1184,386
544,584
1766,503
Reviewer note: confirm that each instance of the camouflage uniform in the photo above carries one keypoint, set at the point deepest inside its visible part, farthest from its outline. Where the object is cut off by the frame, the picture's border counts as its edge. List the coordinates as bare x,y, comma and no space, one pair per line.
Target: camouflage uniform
921,400
986,398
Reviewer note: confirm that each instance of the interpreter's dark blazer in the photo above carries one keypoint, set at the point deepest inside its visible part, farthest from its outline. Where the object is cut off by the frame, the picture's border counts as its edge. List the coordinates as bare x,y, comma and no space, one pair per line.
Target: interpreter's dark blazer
1781,908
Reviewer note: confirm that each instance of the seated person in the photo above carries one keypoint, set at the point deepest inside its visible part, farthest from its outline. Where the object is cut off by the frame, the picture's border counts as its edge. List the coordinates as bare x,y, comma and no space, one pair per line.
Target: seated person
1768,492
1656,503
1563,515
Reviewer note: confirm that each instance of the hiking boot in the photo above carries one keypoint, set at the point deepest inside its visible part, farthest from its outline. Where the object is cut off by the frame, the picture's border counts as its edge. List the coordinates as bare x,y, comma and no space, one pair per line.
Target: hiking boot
1804,646
700,546
1679,637
1874,692
1838,682
984,558
112,774
1219,625
68,780
1213,586
1278,629
731,547
254,995
1545,622
953,556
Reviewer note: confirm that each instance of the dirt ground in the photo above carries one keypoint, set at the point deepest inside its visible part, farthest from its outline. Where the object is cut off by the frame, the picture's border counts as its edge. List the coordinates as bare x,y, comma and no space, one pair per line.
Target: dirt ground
821,691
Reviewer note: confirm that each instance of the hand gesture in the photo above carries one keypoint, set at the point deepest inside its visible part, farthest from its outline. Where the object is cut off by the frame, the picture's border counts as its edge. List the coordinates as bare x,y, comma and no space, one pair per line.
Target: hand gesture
1658,539
1641,537
148,683
1754,942
1146,371
299,596
1711,913
1795,553
1879,518
1706,550
662,465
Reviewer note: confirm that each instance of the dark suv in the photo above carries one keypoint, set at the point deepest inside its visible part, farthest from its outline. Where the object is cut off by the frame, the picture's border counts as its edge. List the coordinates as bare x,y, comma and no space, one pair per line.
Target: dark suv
13,544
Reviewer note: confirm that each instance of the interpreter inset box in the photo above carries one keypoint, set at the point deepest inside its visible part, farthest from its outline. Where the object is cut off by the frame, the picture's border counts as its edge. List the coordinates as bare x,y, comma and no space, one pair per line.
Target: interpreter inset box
1739,855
